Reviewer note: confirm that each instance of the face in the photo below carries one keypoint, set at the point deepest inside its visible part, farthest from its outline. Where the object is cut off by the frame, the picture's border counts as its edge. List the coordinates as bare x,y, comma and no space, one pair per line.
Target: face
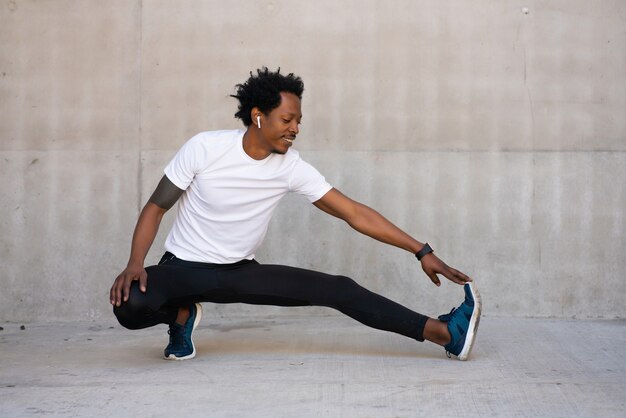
280,127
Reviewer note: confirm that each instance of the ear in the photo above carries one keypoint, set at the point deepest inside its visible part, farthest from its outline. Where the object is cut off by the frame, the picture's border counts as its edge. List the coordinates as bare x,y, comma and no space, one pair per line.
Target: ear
254,113
255,116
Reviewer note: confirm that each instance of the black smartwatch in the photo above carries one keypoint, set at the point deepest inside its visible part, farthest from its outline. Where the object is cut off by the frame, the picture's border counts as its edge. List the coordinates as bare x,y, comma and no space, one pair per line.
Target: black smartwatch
425,250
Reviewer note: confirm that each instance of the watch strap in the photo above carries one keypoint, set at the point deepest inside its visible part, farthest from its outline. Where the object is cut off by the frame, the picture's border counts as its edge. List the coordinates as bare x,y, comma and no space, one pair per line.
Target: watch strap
426,249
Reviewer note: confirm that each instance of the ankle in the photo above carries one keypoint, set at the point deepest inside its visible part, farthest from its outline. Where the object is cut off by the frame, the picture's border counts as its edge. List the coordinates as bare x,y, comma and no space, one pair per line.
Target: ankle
183,315
437,332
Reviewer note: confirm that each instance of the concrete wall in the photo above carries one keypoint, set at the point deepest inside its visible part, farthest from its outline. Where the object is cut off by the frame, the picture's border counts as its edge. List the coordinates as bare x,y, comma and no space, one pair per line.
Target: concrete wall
493,130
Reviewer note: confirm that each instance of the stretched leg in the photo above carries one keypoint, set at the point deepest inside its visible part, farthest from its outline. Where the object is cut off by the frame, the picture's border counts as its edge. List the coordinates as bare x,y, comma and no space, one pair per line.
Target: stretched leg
290,286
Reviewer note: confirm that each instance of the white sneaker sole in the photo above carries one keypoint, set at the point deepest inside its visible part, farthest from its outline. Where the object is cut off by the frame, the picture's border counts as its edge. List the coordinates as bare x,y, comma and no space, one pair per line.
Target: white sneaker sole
195,324
473,325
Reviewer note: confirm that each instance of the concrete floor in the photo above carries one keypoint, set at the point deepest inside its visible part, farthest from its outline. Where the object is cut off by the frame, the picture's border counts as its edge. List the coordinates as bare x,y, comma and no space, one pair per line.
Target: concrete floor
294,365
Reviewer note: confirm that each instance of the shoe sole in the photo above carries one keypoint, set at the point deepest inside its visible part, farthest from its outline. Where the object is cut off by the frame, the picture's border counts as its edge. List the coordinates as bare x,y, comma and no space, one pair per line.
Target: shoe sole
473,325
195,324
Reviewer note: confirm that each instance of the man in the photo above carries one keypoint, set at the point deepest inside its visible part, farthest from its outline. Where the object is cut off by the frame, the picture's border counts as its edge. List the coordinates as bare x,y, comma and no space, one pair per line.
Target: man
228,184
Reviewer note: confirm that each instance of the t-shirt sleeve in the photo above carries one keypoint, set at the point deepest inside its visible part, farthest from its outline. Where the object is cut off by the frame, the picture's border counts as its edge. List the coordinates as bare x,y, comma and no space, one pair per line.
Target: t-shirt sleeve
307,181
187,162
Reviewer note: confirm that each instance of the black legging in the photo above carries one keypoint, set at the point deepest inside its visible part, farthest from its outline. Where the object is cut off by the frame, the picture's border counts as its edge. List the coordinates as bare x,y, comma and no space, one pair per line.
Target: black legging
175,282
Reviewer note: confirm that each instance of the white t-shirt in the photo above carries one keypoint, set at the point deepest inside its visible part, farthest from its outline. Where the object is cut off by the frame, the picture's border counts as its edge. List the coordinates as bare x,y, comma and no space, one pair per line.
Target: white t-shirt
230,197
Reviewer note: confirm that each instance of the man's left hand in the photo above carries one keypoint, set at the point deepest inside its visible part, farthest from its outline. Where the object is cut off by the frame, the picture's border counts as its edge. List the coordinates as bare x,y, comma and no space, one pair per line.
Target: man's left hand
432,266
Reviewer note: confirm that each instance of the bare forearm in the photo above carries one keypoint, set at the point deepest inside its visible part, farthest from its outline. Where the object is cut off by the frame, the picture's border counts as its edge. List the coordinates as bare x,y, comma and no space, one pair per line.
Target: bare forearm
371,223
165,195
145,232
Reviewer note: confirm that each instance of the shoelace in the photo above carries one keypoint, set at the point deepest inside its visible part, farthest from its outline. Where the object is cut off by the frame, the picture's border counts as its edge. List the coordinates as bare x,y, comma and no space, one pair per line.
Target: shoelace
447,317
176,337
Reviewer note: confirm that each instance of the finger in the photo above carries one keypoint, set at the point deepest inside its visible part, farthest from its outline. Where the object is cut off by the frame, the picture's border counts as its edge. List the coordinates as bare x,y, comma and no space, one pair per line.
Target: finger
126,288
450,275
112,295
434,279
456,278
143,281
120,290
117,291
461,277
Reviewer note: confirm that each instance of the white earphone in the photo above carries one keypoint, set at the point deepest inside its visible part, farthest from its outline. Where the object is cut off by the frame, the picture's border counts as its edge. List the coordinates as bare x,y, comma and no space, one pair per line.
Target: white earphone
258,121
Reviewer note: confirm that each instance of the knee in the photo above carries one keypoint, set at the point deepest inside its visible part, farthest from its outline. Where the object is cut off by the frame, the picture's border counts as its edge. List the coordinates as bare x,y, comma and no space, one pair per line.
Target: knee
344,284
130,314
343,289
126,316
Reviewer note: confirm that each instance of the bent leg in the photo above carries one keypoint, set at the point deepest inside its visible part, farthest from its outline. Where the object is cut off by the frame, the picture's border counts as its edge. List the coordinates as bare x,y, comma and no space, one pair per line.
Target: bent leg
168,288
137,311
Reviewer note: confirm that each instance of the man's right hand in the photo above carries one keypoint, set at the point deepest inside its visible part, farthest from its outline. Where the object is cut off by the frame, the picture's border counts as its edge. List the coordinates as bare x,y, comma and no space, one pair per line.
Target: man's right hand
121,286
165,195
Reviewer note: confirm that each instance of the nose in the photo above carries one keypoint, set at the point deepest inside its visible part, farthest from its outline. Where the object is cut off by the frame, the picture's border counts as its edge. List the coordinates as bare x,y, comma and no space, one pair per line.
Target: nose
294,128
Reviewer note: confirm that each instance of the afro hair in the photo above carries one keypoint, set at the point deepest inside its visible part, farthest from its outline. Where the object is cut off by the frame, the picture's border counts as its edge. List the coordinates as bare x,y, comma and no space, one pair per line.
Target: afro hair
263,91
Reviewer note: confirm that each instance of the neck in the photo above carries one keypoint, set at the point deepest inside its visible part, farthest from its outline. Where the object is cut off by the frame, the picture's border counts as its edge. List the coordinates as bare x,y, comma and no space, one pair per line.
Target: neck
252,145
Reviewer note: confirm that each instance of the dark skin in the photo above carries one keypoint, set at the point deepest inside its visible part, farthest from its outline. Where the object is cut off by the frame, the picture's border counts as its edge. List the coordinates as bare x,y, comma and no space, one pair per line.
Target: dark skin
279,129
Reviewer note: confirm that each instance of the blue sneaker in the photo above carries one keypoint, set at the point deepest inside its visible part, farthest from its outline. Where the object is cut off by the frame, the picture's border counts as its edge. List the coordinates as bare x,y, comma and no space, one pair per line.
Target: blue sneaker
181,345
463,324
